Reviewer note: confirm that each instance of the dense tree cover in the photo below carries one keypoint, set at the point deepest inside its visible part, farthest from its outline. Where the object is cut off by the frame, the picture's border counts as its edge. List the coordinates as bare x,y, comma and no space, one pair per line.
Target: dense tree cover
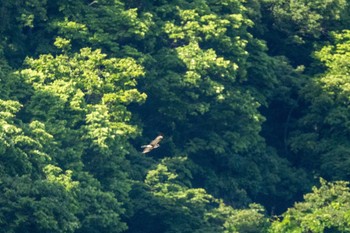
251,97
321,141
326,209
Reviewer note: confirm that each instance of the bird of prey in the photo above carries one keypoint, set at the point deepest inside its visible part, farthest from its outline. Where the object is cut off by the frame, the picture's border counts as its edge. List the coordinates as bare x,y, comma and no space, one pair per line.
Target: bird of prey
152,145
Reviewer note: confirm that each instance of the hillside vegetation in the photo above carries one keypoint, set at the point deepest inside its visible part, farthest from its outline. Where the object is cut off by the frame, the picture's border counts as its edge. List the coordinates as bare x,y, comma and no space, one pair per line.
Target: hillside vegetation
252,99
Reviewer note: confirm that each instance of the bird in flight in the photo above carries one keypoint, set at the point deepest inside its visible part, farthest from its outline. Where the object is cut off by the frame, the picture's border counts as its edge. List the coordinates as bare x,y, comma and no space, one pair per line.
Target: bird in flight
152,145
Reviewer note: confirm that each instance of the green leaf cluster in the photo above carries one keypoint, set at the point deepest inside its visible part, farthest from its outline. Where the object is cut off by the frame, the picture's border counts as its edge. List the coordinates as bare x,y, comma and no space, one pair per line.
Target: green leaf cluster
325,126
251,97
325,209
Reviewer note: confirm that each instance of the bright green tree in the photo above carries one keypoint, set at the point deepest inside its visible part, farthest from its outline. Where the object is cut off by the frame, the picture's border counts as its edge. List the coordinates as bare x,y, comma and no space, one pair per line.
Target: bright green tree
308,18
35,196
68,114
173,205
63,141
322,134
206,81
326,209
293,28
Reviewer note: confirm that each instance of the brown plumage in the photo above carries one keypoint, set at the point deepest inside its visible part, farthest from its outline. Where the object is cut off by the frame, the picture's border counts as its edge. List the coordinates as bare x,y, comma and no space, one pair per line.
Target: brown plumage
152,145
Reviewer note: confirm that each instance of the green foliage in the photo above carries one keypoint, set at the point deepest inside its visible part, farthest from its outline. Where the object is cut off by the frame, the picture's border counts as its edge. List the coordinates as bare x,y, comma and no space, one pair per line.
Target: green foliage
17,22
21,147
101,24
99,210
308,18
74,116
71,122
81,99
182,208
248,220
86,87
323,133
53,175
295,28
325,209
335,56
200,94
29,205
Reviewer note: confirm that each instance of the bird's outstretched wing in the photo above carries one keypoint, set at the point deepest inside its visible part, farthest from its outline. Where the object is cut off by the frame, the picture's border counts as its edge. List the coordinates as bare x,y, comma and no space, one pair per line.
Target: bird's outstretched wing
156,141
153,144
147,148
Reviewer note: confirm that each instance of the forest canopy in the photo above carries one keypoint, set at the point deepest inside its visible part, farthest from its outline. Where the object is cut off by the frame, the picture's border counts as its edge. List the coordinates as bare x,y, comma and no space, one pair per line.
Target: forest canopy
251,98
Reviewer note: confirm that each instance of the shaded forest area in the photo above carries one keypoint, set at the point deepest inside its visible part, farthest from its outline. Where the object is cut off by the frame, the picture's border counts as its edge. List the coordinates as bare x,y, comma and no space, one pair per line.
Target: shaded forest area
252,98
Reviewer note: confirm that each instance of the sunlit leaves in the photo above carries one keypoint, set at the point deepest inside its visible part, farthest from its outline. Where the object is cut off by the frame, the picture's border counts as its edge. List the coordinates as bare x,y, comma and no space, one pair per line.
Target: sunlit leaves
69,112
326,208
199,24
305,18
86,79
326,125
335,56
208,26
186,209
101,129
7,129
102,24
63,44
71,30
205,82
78,109
247,220
22,147
55,175
205,63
